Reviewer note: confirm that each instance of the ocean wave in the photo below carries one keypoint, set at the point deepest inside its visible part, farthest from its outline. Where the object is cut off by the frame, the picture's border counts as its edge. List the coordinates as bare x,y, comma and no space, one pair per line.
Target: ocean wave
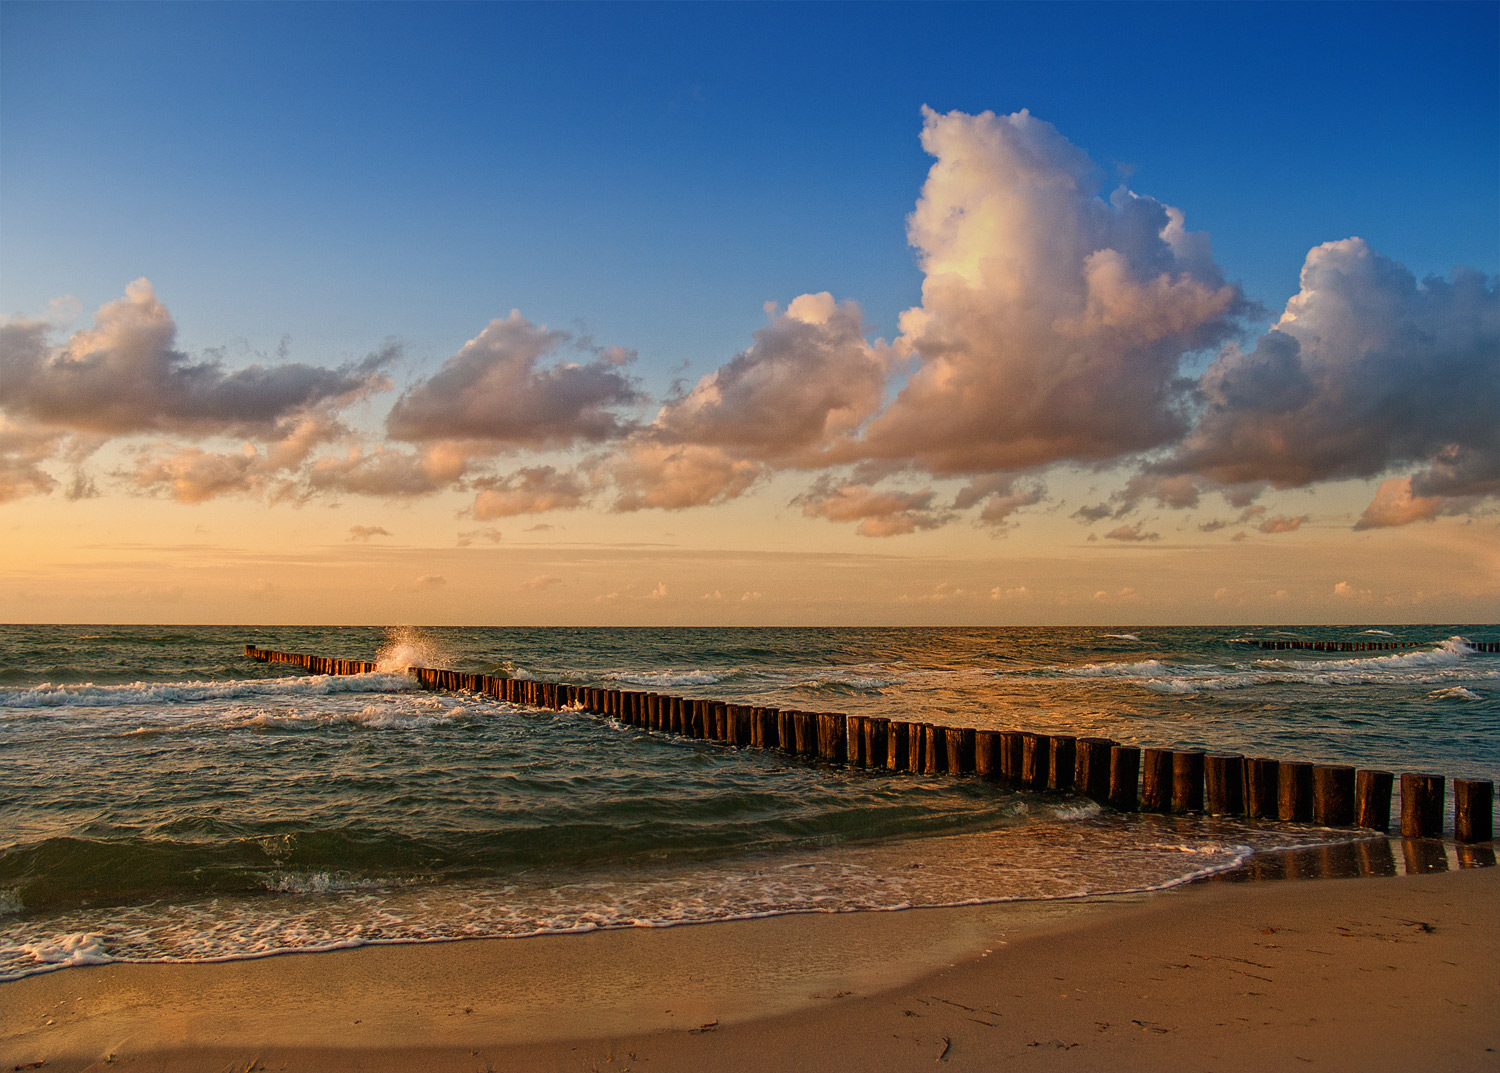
1121,636
668,677
1454,693
88,695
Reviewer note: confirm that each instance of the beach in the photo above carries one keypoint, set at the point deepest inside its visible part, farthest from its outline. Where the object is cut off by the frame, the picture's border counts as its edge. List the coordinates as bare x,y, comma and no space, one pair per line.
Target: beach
1368,974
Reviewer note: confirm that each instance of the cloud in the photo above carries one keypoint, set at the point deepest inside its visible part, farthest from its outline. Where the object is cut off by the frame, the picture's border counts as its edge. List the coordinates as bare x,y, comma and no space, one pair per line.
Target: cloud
943,592
809,378
1366,370
495,392
23,449
387,471
1052,321
533,490
1131,533
1019,592
658,593
365,532
543,581
430,581
1098,512
749,597
469,537
1002,496
1394,504
675,477
879,513
1280,523
1345,591
126,376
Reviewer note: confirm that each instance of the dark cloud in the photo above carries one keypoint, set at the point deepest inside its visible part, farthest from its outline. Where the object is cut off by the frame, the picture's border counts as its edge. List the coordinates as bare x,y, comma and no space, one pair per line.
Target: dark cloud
125,376
1367,370
495,392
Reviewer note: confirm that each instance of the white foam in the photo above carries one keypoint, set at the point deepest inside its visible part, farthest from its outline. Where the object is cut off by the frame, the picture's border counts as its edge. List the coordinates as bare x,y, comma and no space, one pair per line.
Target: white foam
79,948
88,695
668,677
407,647
1454,693
1122,636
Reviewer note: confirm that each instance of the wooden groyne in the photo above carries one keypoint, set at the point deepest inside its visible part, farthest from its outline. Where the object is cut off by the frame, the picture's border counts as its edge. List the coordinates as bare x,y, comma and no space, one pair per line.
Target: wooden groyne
1362,646
1123,777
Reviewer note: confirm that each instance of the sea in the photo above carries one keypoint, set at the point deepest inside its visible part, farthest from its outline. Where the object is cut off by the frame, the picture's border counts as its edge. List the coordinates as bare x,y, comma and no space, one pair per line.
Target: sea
165,799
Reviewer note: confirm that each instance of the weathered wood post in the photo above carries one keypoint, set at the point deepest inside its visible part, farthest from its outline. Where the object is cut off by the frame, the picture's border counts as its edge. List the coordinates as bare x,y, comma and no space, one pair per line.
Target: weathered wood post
876,730
805,727
1187,780
1012,755
1422,806
1062,763
1372,799
1124,777
959,744
1294,792
1156,780
934,749
1091,773
1262,784
1224,777
897,736
1333,795
1473,810
987,754
1036,758
855,749
832,737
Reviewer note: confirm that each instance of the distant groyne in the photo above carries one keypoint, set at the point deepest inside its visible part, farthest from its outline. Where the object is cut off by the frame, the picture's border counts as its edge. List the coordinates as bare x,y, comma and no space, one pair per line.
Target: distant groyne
1126,778
1364,646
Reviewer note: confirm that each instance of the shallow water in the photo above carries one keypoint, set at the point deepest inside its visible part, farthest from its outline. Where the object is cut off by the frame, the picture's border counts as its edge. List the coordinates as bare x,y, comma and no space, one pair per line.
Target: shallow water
168,799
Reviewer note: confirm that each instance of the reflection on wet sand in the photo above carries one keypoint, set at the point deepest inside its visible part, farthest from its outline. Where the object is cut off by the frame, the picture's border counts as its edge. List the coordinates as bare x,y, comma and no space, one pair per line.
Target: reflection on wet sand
1367,858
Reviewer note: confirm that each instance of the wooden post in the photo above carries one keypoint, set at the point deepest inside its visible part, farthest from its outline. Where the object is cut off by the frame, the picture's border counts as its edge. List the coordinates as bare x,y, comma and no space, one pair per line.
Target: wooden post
831,737
1062,763
1422,806
786,730
1473,810
1036,760
897,739
1124,777
916,748
855,750
1333,795
1294,792
961,745
1156,780
1372,799
987,754
1224,775
1091,773
1012,752
876,729
934,749
1262,781
806,728
1187,780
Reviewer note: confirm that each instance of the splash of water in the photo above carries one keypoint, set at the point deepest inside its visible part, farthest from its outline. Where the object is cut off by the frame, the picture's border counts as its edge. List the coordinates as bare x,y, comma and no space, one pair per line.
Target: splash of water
407,647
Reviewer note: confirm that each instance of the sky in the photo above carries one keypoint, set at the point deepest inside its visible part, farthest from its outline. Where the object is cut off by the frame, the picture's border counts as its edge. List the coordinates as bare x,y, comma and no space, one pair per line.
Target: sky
978,314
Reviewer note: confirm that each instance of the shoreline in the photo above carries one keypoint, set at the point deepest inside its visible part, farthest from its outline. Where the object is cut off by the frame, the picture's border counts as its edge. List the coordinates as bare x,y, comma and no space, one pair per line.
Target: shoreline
1389,972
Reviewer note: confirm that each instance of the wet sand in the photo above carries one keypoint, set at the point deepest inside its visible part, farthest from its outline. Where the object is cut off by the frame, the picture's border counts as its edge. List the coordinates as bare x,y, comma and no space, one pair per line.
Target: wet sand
1359,974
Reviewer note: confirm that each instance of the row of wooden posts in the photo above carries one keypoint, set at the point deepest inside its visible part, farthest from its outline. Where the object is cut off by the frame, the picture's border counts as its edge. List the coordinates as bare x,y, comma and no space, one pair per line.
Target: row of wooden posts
1124,777
1365,646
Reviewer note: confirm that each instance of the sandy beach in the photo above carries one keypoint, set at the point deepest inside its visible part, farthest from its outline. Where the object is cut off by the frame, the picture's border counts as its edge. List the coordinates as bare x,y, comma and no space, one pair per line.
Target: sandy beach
1357,974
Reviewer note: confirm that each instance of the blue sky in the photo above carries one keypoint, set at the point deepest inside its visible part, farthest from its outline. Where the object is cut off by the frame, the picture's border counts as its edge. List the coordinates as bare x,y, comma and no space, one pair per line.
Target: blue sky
342,173
1032,386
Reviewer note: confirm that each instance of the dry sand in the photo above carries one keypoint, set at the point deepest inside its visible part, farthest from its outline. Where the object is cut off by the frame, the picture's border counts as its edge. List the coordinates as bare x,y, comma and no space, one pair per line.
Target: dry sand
1357,974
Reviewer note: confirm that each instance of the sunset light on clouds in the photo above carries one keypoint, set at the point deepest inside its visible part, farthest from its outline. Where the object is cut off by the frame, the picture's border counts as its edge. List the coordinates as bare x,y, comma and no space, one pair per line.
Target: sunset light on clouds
436,332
